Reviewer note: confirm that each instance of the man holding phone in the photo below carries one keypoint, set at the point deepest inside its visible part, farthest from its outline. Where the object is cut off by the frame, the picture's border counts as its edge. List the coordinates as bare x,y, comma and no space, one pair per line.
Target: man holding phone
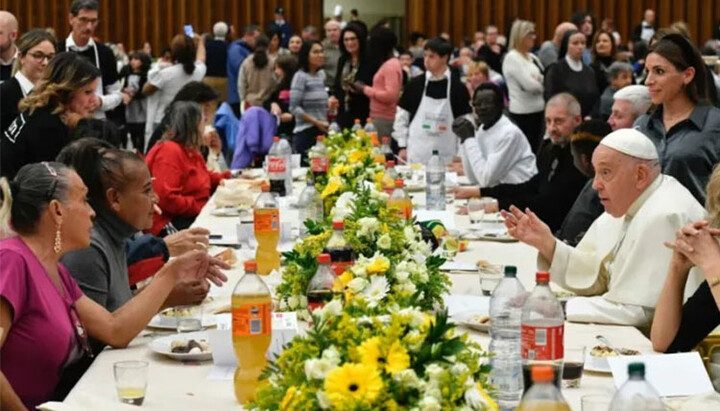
84,20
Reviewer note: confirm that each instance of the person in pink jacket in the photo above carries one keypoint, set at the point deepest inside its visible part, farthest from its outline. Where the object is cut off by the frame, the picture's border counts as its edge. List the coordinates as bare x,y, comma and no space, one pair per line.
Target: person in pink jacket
387,82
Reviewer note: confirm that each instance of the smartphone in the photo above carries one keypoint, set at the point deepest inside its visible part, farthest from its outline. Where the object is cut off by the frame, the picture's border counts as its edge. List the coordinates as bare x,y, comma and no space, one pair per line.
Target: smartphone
189,30
215,236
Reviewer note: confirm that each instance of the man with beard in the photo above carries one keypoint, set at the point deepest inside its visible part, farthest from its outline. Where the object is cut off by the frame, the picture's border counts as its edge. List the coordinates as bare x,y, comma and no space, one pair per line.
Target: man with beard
8,51
495,152
84,20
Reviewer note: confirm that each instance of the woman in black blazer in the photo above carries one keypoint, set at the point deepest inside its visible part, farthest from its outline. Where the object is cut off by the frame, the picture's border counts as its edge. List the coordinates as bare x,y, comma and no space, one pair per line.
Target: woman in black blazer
35,50
353,65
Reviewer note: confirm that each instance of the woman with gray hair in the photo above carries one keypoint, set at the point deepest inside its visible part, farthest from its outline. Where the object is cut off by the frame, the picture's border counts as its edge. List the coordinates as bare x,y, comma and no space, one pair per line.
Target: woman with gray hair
182,180
523,74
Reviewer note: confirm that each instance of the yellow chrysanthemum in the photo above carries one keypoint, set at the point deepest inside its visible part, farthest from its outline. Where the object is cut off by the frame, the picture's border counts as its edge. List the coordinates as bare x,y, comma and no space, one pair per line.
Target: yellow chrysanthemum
340,169
379,265
356,156
333,186
352,384
488,400
394,360
345,278
287,399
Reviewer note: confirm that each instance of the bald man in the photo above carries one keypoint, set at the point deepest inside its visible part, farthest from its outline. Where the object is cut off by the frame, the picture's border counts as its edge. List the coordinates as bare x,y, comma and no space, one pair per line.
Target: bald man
8,51
549,50
331,44
620,265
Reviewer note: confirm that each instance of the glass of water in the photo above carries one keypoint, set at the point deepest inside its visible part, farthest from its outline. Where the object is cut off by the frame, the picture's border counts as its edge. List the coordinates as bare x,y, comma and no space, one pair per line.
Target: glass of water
476,210
191,319
131,381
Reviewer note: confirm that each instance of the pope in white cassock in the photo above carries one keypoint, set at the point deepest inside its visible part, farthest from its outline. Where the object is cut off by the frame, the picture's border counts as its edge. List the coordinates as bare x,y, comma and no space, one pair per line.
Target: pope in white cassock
619,266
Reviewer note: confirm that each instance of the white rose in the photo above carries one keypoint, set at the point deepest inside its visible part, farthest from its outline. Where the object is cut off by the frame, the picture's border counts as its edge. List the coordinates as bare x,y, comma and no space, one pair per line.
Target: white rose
384,242
422,277
402,276
409,233
434,372
293,302
331,309
429,403
474,399
407,378
402,266
283,305
318,369
323,400
331,355
357,285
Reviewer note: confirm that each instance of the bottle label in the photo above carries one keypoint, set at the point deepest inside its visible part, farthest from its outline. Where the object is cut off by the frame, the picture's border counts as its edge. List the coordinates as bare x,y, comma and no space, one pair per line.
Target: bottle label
277,164
319,164
542,343
339,267
251,320
267,221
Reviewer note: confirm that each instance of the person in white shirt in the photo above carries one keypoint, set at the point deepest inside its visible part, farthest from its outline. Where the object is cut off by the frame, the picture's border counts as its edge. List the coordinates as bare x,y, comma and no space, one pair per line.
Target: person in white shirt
8,50
619,267
629,103
523,74
497,151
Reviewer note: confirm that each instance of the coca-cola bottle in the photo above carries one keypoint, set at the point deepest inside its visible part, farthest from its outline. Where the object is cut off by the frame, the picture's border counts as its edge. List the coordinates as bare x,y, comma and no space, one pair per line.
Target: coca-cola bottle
322,287
279,167
542,330
319,160
340,252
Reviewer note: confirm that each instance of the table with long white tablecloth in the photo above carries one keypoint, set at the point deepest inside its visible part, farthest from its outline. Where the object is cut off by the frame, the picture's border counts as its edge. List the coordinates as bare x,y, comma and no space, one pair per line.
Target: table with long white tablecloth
174,385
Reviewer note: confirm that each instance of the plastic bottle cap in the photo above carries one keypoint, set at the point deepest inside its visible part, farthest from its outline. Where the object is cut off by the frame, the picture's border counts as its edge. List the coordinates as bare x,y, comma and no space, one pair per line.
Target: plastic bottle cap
636,369
323,258
250,265
542,277
390,163
276,138
386,139
368,120
399,183
542,373
510,271
320,138
357,121
265,187
338,225
435,152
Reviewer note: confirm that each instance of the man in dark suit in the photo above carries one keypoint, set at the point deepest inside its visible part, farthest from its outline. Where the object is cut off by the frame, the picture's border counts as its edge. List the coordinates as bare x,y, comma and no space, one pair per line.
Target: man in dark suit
282,26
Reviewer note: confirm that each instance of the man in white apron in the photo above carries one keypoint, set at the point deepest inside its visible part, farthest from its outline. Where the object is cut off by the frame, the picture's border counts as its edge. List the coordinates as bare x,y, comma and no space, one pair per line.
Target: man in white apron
428,107
83,20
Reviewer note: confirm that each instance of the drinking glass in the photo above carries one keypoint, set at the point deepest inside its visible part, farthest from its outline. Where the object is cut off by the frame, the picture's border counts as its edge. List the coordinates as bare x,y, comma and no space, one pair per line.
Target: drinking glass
131,381
488,282
573,365
476,210
191,322
595,402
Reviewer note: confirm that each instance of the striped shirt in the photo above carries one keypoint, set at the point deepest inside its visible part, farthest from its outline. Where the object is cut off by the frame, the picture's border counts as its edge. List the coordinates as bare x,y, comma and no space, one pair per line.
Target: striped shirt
308,96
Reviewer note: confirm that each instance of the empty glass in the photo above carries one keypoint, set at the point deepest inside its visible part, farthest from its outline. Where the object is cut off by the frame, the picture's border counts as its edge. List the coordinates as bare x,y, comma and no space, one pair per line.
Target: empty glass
476,210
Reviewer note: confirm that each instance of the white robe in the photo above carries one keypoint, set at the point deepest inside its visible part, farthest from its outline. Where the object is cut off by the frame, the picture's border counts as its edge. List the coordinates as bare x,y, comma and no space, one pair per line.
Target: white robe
629,294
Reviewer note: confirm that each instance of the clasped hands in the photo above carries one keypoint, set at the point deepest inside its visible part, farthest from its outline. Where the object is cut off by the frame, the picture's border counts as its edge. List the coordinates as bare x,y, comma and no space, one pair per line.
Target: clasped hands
696,245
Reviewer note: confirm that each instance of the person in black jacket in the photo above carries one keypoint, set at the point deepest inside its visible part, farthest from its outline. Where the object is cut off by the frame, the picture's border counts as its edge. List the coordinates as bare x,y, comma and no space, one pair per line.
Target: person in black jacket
646,29
64,96
35,50
491,52
279,101
353,65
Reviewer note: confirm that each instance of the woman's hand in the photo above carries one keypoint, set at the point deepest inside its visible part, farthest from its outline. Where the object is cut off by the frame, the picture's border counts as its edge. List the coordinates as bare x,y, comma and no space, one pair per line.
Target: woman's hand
275,109
196,238
697,243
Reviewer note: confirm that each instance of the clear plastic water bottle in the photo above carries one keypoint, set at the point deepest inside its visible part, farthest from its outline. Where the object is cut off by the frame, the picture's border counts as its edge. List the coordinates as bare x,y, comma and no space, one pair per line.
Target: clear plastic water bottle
505,314
310,206
334,128
542,330
543,395
636,394
357,126
279,160
435,183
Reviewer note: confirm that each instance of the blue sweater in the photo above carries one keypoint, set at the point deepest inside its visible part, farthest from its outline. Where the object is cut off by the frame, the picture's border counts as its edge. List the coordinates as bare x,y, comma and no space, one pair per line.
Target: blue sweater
236,54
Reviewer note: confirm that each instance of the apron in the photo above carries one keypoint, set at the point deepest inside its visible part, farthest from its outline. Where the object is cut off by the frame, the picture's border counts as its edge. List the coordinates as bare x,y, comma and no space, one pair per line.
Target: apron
431,128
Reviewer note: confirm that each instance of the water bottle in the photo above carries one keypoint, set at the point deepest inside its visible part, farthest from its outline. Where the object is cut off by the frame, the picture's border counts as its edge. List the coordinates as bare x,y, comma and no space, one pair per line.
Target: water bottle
505,313
334,128
386,149
636,393
357,126
310,206
277,166
280,150
435,183
542,330
543,395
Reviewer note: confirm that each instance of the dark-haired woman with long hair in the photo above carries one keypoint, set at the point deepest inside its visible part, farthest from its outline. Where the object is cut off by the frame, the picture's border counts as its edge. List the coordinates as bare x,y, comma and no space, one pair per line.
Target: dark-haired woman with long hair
182,180
684,126
279,101
35,50
308,98
188,57
275,48
604,54
570,74
255,79
353,65
63,97
45,317
134,77
384,92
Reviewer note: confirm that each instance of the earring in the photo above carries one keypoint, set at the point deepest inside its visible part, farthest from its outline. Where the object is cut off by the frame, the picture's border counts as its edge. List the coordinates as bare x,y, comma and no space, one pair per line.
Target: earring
58,241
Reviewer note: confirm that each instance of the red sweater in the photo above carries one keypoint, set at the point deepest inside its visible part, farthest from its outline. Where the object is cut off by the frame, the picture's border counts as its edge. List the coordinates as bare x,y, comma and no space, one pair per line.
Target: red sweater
182,181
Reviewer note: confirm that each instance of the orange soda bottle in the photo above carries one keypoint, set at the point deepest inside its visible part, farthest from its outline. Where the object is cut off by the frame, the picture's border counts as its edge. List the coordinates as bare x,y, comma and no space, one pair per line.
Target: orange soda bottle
400,201
266,216
251,330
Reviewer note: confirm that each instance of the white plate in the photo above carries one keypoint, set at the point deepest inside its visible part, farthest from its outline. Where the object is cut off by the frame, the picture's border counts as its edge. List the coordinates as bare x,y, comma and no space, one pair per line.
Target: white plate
162,346
229,211
597,364
170,323
469,320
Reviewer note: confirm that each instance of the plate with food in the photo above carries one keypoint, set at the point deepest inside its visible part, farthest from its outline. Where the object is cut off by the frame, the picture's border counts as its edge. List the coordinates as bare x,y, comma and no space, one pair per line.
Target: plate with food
184,347
168,319
474,321
596,359
227,256
488,268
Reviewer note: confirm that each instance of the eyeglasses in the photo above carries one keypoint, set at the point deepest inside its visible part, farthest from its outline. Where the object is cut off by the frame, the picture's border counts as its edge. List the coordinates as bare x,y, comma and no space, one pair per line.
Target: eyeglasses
40,56
85,21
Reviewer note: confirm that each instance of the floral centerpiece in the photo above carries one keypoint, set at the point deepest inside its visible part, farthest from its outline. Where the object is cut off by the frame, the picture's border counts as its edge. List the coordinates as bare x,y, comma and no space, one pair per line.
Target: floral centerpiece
381,346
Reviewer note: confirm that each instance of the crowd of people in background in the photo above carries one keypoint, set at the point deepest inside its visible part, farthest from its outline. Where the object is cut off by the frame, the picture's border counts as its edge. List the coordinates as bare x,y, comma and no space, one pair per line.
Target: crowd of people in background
593,144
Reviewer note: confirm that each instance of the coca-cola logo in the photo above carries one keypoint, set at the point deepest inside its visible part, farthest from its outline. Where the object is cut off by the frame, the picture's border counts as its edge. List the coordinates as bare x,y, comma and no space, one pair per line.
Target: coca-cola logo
276,165
319,164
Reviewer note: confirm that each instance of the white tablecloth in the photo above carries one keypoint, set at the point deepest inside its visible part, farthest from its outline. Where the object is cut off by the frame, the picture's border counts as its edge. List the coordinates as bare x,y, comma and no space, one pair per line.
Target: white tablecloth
176,386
